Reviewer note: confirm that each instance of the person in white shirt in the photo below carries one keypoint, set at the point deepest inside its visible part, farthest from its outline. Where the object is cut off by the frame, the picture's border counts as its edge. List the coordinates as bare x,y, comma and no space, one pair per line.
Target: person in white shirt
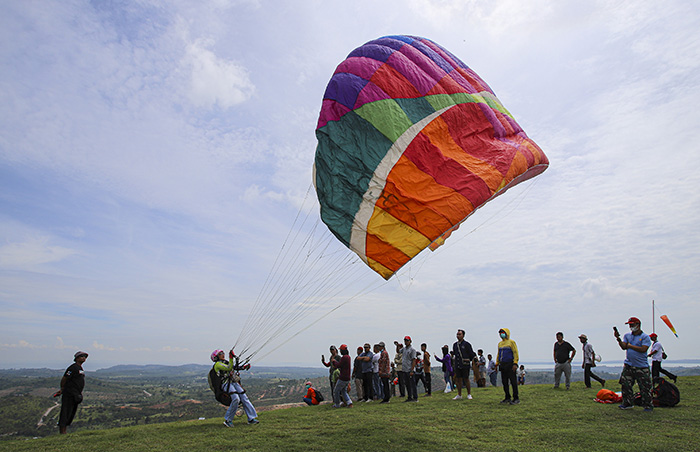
588,362
376,381
493,373
657,355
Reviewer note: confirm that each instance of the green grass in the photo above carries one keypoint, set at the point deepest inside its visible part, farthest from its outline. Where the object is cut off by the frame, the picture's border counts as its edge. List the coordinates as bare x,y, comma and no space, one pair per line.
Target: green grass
546,420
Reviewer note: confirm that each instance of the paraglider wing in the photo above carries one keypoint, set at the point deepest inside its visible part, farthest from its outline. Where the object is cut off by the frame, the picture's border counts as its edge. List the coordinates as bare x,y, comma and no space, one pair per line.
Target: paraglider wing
669,324
410,142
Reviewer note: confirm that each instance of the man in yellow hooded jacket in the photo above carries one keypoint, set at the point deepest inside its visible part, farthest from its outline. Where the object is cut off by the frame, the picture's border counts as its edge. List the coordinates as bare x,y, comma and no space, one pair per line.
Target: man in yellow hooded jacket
507,363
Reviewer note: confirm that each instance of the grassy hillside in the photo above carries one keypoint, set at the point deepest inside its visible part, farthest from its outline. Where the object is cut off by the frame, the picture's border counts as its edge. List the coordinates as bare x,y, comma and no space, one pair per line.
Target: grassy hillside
546,420
128,396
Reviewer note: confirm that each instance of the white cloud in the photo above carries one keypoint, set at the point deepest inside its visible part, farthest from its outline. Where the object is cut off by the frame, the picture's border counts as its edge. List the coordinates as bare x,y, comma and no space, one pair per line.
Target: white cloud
169,348
60,345
603,288
21,344
215,81
31,252
97,346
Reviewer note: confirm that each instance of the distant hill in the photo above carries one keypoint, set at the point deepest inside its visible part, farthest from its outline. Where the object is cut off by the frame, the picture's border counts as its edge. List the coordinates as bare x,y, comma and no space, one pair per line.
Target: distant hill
186,370
162,371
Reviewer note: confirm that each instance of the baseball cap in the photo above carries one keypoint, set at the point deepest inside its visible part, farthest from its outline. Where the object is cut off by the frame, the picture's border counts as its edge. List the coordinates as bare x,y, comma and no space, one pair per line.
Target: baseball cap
344,347
407,338
381,344
80,353
653,335
633,320
583,336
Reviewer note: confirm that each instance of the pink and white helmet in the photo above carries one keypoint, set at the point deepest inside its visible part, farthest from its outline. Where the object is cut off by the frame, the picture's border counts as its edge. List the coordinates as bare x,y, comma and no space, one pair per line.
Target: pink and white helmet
214,355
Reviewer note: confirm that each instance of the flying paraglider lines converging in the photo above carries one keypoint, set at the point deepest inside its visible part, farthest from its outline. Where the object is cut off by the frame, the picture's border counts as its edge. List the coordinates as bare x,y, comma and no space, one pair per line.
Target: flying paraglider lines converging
311,272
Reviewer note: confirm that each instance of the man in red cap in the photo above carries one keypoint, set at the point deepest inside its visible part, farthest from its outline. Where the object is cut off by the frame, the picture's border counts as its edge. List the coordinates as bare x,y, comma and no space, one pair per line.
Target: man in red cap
340,392
636,367
657,354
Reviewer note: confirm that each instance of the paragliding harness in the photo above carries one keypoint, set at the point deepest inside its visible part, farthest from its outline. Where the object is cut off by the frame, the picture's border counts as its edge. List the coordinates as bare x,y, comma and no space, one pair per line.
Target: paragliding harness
217,381
664,394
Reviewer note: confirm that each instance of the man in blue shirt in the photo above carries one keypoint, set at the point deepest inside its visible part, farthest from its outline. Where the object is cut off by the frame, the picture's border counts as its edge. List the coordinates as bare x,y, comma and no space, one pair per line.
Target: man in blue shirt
366,359
636,367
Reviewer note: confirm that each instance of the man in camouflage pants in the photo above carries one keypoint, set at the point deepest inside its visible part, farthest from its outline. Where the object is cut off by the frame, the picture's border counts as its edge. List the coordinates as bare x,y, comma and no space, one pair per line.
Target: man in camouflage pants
636,367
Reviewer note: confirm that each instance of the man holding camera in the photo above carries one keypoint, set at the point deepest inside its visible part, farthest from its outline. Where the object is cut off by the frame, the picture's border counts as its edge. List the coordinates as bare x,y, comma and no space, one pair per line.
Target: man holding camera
636,367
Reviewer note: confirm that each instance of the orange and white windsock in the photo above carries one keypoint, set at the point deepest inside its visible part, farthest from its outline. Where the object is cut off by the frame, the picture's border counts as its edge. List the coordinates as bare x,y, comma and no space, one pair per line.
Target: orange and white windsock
669,324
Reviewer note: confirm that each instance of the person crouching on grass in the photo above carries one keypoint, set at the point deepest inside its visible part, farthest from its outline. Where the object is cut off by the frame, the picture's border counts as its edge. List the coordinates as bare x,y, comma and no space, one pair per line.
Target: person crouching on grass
310,398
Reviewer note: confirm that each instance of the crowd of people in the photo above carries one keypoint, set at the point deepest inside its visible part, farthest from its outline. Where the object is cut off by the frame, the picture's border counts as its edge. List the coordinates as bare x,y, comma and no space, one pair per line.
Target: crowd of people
378,377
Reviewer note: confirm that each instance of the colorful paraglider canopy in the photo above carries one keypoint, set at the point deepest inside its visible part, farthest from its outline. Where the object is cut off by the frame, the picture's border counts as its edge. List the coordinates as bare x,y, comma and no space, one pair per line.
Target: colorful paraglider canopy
669,324
410,142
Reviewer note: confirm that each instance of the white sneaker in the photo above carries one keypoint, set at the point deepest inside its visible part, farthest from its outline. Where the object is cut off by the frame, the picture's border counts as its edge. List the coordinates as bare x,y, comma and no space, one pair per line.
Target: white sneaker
469,397
457,397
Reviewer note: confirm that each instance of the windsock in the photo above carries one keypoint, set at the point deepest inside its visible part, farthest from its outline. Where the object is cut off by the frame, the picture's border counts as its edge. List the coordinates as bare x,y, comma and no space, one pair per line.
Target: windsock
669,324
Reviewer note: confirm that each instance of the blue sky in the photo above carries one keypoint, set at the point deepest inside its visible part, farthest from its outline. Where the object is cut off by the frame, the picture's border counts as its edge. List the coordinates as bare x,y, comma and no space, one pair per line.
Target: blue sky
153,159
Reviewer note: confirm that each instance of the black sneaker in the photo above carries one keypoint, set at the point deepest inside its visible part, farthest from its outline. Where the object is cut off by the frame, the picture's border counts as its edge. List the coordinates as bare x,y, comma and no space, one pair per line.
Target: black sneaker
515,401
505,401
626,407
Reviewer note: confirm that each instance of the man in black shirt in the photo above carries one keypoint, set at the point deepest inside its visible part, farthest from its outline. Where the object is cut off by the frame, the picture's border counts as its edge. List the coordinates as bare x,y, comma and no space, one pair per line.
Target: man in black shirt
72,385
464,355
562,360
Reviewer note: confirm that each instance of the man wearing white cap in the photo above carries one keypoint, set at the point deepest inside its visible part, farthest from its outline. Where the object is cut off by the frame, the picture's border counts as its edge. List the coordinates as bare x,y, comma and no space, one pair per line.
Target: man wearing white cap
71,391
588,362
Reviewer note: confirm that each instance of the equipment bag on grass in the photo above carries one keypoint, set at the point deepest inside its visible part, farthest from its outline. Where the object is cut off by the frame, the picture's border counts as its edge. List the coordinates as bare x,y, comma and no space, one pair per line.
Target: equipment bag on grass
665,393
